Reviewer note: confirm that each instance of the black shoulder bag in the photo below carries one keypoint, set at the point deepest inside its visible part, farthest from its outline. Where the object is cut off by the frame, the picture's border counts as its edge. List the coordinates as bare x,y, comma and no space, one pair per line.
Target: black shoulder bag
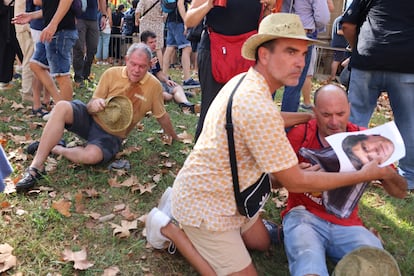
252,199
150,8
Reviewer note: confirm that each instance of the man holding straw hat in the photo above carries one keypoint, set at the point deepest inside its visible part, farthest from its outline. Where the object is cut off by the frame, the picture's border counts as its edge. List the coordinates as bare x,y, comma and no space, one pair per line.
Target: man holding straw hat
122,98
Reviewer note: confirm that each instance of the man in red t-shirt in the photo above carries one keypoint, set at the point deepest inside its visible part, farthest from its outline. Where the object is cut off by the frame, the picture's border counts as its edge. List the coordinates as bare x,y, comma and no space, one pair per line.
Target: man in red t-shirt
310,232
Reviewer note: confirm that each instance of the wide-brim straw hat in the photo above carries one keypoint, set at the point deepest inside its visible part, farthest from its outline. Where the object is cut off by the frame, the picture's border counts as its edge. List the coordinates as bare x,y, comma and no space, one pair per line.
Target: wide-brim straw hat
276,25
367,261
117,115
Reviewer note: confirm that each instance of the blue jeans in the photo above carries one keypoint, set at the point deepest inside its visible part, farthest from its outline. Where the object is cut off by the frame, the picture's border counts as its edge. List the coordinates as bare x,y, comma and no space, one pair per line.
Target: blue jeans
364,89
175,35
309,239
291,94
59,52
103,46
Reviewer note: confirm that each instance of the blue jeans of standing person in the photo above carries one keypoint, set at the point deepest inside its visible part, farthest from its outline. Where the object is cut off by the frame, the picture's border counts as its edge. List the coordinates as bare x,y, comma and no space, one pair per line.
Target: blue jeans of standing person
103,46
59,52
364,89
309,239
291,94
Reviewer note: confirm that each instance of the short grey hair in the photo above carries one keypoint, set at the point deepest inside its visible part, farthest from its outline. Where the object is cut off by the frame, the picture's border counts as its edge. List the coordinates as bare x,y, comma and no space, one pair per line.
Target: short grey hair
142,47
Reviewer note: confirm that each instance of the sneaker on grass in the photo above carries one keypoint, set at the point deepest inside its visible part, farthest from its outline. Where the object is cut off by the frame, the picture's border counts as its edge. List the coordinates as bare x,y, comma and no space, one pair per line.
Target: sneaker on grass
156,219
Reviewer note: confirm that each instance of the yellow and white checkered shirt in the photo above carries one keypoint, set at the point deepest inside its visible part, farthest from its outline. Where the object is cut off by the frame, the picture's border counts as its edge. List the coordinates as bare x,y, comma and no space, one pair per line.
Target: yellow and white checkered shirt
203,189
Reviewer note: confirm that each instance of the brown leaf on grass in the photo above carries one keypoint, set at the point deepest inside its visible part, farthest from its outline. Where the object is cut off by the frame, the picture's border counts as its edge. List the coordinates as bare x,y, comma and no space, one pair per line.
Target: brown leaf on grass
127,214
165,154
119,207
147,187
143,218
113,182
185,137
111,271
62,206
128,151
94,215
106,218
6,119
79,258
166,139
7,260
91,192
140,126
156,178
17,106
150,139
131,181
168,164
79,206
5,204
122,231
181,126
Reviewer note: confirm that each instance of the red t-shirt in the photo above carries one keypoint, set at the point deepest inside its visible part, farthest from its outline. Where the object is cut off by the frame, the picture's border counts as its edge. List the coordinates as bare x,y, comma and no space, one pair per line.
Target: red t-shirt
305,135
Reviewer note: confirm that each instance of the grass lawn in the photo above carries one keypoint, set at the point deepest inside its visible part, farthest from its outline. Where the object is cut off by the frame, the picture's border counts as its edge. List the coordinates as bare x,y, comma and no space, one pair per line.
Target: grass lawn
95,209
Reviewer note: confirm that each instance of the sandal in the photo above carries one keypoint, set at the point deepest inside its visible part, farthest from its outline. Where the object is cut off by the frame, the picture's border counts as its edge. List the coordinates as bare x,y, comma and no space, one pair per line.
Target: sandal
29,179
187,106
40,112
48,106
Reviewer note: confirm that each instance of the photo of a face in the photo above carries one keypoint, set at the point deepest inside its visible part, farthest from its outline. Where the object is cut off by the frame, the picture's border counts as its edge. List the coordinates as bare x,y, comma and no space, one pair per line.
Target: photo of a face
363,148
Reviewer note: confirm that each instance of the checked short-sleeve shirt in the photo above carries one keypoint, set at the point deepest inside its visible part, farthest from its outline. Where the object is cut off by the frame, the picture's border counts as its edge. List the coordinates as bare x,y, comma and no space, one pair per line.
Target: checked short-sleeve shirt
203,189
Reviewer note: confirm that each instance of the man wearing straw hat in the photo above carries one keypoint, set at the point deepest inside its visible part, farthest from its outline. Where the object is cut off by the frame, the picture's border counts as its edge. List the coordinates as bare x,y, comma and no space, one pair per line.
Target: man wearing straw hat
122,98
203,198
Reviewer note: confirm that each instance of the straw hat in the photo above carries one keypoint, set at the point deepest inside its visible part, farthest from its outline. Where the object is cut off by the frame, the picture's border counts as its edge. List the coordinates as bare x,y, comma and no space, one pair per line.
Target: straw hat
276,25
117,115
367,261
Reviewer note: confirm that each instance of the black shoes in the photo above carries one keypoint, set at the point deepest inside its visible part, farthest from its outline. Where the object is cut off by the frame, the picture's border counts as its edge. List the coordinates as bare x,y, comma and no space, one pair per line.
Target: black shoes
29,179
187,106
32,148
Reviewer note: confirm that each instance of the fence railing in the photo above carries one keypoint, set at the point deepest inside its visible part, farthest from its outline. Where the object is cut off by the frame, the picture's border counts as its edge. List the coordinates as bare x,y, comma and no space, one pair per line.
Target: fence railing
118,45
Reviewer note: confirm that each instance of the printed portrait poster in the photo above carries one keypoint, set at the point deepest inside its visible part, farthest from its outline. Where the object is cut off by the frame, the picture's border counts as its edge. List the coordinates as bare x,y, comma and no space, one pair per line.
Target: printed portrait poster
351,151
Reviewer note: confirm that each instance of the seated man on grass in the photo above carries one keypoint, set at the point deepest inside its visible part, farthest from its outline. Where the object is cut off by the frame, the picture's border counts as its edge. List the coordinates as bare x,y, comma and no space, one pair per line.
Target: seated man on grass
171,90
103,142
310,231
203,198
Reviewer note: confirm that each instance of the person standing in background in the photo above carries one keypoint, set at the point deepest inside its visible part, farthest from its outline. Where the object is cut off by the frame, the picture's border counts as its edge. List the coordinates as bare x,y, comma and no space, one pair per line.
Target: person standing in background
149,16
314,16
26,43
381,35
9,46
104,36
115,42
85,47
245,17
176,40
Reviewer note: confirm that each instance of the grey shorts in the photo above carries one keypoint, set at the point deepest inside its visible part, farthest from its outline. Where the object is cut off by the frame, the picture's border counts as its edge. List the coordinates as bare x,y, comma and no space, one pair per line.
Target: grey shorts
84,126
166,88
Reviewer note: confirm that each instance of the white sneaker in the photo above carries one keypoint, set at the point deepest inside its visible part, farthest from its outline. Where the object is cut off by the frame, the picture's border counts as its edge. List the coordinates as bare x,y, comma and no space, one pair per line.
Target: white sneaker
154,222
165,203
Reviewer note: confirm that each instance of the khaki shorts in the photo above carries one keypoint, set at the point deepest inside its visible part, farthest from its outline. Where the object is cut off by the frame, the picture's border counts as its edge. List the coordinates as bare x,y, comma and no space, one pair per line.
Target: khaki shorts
224,251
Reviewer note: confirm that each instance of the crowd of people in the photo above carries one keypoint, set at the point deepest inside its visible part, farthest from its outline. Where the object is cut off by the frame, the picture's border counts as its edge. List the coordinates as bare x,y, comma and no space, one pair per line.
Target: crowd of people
212,233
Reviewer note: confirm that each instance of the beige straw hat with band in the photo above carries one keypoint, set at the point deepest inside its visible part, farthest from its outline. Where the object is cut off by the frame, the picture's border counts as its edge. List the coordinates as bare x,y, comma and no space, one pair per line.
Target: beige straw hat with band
367,261
276,25
117,115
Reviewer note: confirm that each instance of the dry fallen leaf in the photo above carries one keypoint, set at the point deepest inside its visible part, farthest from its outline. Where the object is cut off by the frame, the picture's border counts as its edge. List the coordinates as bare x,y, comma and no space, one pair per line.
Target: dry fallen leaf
131,181
111,271
185,137
79,258
127,214
113,182
119,207
166,139
62,206
147,187
7,260
122,231
79,206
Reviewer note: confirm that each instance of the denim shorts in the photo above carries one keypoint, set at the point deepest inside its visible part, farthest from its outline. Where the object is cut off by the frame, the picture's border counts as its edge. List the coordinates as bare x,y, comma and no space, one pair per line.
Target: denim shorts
59,52
39,55
175,35
166,88
86,127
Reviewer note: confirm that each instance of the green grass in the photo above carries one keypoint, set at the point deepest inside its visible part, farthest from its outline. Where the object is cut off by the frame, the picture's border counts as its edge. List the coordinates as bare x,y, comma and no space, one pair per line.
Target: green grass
40,235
